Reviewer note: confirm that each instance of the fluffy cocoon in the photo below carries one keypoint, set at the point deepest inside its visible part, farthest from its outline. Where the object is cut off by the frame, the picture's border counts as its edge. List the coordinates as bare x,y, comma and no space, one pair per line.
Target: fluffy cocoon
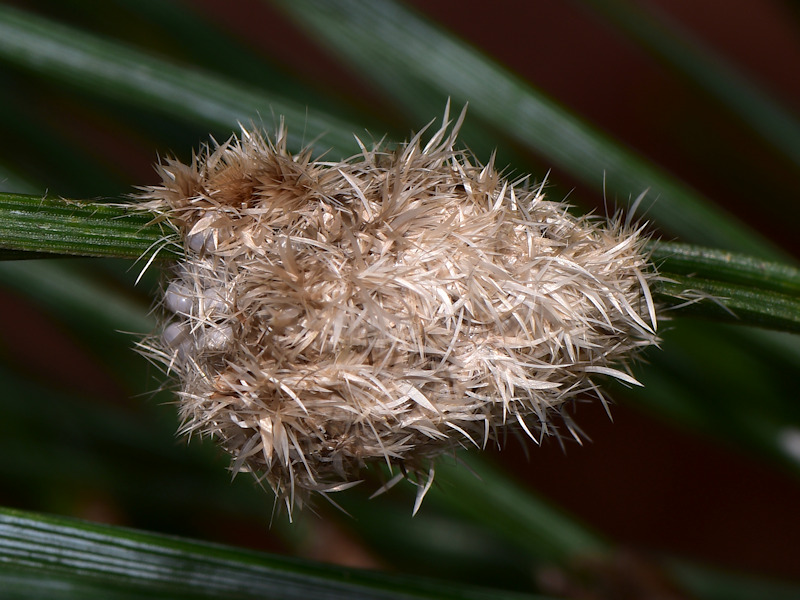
330,316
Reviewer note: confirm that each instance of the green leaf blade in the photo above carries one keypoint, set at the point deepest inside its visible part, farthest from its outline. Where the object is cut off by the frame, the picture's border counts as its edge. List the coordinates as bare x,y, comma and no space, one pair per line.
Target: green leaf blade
32,224
55,51
738,288
122,563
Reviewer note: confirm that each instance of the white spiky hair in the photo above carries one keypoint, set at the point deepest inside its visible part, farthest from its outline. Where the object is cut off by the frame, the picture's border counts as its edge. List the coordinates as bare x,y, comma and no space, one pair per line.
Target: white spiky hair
328,316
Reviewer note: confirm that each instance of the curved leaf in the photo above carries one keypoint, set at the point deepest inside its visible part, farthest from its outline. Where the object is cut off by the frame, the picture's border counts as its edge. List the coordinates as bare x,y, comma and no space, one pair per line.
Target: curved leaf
419,65
63,558
703,66
109,68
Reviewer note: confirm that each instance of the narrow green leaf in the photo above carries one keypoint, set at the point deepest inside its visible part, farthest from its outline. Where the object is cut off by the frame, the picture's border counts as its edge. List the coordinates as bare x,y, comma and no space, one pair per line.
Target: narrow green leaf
723,266
419,65
739,288
748,290
708,70
62,558
108,68
738,303
78,228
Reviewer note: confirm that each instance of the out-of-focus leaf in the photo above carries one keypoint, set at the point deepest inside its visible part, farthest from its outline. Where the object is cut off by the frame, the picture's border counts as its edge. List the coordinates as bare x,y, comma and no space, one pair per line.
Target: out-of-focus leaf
183,29
709,584
530,522
61,558
11,182
96,312
418,65
61,288
104,67
37,152
730,383
731,88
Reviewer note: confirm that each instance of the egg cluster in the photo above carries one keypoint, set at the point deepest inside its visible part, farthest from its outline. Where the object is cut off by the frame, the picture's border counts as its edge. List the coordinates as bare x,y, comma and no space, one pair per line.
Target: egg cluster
200,314
331,316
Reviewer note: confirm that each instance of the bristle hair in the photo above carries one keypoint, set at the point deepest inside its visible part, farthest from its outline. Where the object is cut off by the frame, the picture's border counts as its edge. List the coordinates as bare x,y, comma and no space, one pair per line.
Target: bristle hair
389,308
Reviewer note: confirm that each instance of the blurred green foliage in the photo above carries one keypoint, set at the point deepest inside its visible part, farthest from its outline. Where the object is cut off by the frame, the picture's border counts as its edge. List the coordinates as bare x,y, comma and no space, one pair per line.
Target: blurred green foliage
92,93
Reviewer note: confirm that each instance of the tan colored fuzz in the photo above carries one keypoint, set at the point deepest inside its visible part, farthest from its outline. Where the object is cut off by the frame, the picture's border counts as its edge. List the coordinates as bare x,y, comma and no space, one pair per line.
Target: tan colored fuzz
332,316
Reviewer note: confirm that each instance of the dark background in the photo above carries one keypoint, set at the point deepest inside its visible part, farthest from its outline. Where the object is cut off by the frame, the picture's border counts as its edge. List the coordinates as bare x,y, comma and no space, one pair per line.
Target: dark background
639,481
